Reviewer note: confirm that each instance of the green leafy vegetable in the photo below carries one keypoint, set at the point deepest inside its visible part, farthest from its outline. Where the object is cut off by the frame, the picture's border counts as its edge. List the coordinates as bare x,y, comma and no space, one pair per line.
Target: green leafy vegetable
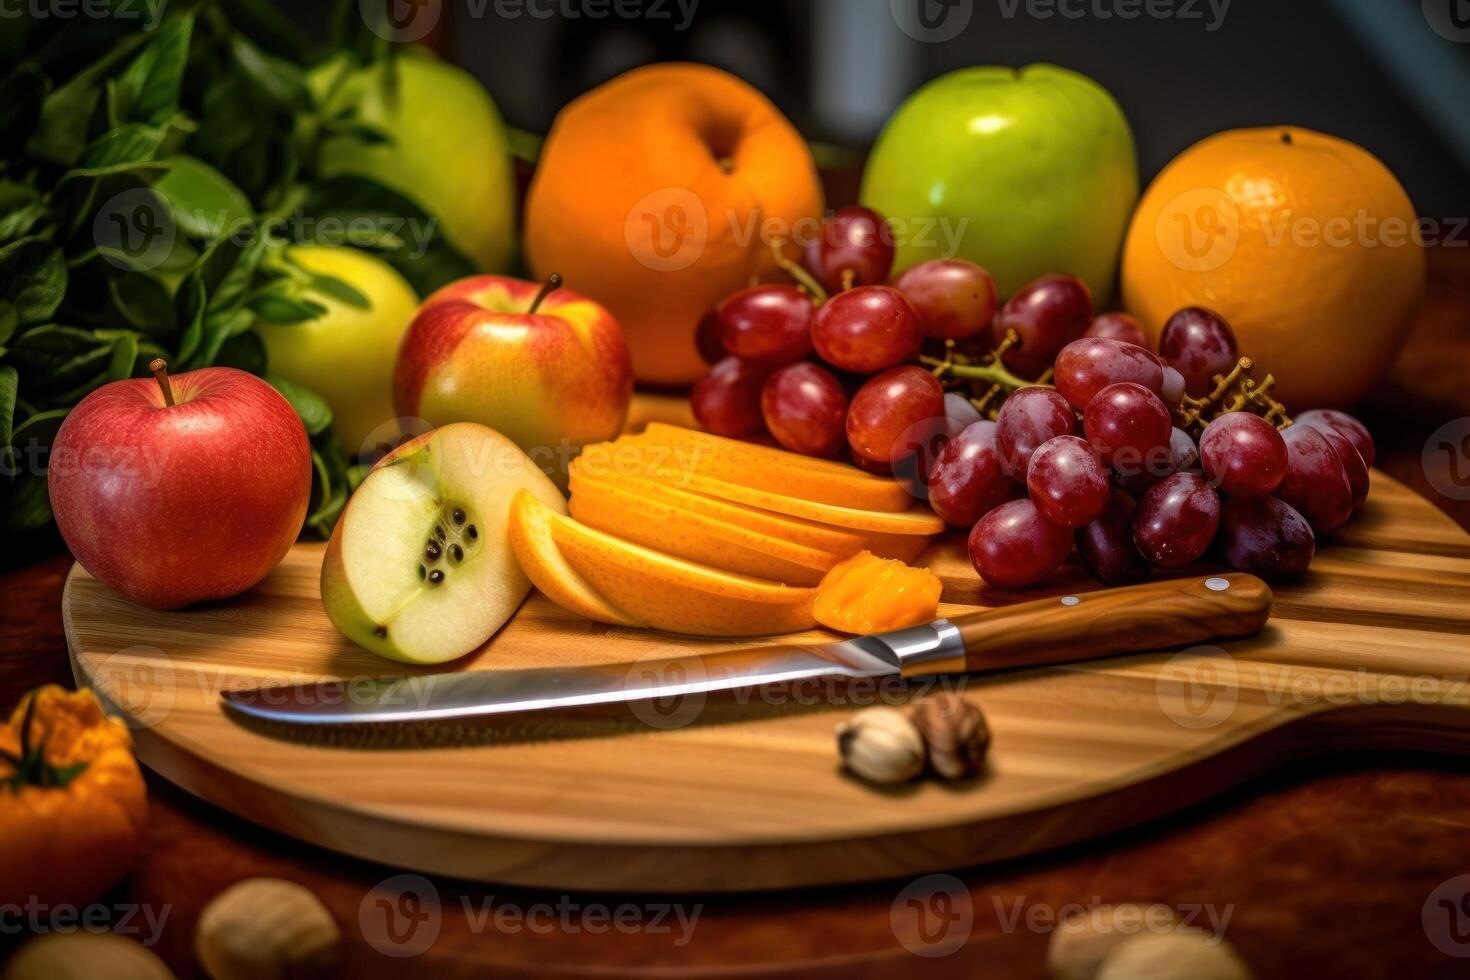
151,184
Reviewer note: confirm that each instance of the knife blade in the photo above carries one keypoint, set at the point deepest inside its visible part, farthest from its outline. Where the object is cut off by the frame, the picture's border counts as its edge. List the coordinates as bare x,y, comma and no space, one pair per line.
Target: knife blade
1042,631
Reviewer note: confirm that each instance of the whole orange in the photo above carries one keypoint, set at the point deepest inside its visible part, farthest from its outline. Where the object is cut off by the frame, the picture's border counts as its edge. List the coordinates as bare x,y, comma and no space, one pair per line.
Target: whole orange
1304,242
660,193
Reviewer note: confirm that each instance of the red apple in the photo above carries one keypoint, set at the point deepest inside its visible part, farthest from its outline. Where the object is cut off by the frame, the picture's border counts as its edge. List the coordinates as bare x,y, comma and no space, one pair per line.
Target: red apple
542,365
180,490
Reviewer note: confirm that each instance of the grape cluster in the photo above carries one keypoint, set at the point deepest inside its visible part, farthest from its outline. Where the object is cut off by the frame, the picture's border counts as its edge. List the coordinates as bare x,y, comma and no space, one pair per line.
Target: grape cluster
1101,458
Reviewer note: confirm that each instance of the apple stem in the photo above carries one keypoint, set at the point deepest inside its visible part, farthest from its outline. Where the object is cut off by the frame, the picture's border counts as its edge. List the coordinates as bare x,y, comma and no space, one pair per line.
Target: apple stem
551,285
159,367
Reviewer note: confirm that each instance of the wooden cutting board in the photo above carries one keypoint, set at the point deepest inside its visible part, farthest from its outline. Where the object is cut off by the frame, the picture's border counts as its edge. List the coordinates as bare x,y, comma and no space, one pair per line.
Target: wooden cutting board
1370,650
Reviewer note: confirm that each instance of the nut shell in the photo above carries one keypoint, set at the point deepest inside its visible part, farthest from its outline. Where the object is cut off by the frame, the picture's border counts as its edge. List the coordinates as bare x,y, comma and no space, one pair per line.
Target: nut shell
1174,956
84,956
881,746
956,733
264,928
1080,943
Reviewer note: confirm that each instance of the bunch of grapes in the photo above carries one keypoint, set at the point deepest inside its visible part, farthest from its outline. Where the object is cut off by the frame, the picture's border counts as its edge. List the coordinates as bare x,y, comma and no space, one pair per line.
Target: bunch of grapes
1096,453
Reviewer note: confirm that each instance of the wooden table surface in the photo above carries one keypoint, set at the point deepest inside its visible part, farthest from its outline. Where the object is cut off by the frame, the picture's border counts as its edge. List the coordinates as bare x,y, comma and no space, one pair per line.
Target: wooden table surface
1322,870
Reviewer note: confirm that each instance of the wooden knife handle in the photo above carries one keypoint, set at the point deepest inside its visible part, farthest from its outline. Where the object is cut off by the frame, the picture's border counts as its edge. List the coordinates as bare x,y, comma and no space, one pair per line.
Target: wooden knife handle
1131,619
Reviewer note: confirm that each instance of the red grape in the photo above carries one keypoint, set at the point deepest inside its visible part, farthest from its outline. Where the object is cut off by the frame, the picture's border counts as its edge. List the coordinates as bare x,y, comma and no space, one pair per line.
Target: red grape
887,406
1046,315
1356,432
804,407
1014,546
1126,423
1243,454
767,323
866,329
855,240
1030,417
1176,520
1199,344
1086,366
1315,483
955,299
877,469
1265,536
967,481
707,338
958,407
1117,326
1106,545
1352,463
727,401
1178,456
1067,482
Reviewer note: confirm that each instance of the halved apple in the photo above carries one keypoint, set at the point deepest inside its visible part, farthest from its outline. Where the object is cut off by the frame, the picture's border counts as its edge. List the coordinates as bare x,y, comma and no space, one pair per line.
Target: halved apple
419,568
669,593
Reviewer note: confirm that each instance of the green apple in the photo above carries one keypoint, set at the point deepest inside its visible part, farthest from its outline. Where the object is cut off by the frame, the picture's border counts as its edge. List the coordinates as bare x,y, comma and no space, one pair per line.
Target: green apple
448,152
420,568
1024,171
346,354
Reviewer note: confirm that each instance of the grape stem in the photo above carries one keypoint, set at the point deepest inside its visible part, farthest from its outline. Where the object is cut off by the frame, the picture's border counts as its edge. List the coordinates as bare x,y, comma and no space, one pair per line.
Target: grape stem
990,369
801,276
1233,392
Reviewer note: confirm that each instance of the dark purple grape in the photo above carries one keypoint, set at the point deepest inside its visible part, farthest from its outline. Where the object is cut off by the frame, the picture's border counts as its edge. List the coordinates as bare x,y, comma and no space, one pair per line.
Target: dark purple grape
1181,454
1199,344
1315,483
1176,520
967,481
1085,367
1067,481
1046,315
1243,454
1265,536
1030,417
1356,432
1014,546
1106,545
1127,424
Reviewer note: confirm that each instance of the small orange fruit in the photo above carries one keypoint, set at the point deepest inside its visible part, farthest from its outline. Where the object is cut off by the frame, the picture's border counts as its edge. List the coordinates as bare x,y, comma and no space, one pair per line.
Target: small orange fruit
867,594
1304,242
660,193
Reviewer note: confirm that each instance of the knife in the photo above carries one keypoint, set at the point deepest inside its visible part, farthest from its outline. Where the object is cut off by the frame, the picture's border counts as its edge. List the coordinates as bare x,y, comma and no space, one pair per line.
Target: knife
1077,627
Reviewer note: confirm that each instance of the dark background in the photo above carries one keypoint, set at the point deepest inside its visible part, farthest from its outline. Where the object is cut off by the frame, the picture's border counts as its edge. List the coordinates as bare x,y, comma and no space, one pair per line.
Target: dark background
1371,71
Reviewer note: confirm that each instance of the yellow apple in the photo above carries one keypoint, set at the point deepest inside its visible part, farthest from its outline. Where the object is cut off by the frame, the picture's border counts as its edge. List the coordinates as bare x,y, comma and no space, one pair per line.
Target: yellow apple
346,354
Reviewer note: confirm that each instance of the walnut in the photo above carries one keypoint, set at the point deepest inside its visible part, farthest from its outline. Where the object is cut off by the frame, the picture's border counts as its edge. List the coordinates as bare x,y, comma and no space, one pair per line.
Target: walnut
1173,956
1081,942
956,733
266,927
881,746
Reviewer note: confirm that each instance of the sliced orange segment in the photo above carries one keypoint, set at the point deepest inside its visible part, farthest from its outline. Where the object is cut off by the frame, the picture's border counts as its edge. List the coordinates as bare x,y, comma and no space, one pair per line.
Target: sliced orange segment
542,561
